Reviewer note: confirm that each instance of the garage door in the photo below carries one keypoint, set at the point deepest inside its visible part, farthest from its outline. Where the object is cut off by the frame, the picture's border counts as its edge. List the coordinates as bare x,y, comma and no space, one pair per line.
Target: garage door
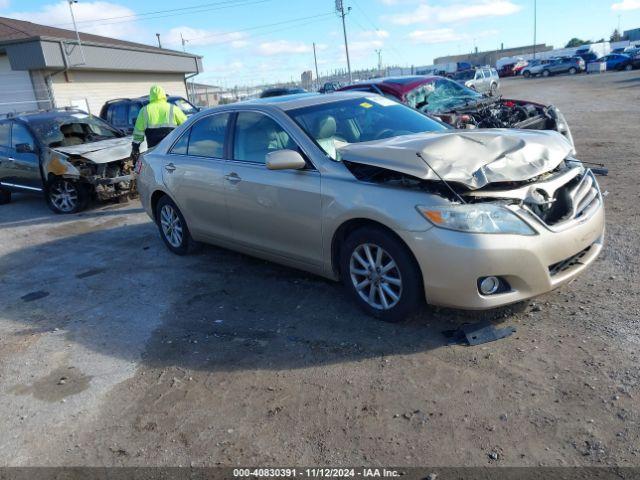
16,89
93,89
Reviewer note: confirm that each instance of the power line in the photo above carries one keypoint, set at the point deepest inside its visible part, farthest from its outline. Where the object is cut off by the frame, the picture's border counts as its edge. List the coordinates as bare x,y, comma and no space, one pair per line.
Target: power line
293,20
206,7
373,24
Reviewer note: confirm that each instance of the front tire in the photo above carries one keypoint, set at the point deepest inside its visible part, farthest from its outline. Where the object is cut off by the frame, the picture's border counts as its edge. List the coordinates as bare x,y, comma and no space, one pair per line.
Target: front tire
66,197
546,73
173,227
380,273
526,74
628,67
493,90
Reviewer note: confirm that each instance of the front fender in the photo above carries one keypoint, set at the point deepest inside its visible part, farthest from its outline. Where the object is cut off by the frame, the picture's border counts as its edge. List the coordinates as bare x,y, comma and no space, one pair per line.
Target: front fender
55,163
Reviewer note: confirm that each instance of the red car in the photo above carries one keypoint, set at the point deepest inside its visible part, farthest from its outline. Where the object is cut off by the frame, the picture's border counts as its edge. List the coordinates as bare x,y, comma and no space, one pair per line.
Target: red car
462,107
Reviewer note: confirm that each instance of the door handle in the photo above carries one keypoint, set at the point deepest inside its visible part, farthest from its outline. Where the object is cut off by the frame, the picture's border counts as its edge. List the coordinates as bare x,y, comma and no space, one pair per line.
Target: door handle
233,178
170,167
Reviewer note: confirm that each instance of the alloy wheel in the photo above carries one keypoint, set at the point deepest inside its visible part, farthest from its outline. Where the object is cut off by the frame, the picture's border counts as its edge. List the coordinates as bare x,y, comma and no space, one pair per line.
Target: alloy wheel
171,226
64,195
375,276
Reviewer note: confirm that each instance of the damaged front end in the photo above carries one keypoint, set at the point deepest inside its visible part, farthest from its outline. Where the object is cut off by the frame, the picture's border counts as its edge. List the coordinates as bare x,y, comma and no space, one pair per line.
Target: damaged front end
503,113
532,174
105,166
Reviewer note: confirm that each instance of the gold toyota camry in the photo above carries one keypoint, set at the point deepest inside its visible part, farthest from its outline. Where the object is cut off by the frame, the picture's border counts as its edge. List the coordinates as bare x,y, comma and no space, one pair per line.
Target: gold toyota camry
398,206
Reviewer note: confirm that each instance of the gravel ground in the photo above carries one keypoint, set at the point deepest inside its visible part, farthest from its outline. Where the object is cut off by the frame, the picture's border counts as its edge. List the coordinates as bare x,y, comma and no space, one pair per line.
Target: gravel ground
115,352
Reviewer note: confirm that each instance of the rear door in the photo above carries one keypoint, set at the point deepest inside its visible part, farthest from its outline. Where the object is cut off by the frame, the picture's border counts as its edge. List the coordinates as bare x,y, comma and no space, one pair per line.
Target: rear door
194,171
274,211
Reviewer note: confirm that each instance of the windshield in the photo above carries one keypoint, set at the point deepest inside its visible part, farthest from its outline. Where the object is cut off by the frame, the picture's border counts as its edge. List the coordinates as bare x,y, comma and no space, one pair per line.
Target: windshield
334,125
68,129
185,106
442,95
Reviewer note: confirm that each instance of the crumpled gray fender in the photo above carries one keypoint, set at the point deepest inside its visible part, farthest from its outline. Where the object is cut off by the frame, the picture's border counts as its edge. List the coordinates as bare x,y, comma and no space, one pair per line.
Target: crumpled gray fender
55,163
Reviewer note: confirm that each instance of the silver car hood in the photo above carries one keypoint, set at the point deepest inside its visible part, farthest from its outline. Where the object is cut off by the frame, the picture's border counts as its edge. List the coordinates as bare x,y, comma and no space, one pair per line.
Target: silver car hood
473,158
103,151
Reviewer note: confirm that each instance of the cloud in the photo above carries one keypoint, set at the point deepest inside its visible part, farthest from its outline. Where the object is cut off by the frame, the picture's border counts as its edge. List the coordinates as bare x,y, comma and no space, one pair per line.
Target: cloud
57,14
4,3
379,34
196,37
457,12
626,5
280,47
439,35
445,35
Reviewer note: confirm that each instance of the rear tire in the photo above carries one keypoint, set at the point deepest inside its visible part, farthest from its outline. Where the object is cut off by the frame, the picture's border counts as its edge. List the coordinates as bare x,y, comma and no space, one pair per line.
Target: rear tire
381,274
628,67
5,197
573,71
66,196
493,90
173,227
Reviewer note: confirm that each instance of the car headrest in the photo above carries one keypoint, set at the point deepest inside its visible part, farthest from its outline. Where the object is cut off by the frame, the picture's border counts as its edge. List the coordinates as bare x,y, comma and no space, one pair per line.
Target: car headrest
326,127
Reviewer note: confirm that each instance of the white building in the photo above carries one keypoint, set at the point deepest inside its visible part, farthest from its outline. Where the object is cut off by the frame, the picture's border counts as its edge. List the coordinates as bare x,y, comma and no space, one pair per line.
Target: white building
45,67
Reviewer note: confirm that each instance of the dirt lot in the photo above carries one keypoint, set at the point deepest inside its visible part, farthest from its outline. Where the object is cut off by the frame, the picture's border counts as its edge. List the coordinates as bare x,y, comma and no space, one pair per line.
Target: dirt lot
133,356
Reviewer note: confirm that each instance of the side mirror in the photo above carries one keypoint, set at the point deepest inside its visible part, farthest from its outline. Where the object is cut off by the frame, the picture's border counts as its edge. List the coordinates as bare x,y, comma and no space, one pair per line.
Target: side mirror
24,148
285,160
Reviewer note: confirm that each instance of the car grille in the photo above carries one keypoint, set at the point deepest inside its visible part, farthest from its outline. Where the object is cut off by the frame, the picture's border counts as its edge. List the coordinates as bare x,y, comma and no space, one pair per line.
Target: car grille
577,199
568,263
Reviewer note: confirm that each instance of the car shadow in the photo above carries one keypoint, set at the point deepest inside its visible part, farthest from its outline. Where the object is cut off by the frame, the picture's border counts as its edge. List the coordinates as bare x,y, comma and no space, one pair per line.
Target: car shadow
27,210
119,292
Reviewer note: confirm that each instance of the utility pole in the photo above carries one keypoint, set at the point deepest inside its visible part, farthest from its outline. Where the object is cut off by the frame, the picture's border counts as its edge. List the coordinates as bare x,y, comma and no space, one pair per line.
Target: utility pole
342,14
379,52
75,27
183,42
315,60
535,26
159,44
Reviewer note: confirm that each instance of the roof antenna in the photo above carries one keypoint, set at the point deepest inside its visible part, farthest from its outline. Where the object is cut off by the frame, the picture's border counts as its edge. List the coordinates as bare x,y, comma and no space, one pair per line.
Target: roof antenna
441,179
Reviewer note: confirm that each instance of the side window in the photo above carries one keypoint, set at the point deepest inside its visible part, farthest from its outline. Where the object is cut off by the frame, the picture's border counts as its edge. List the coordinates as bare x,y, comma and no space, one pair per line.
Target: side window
182,145
207,136
256,135
117,114
4,134
20,135
486,72
134,109
479,75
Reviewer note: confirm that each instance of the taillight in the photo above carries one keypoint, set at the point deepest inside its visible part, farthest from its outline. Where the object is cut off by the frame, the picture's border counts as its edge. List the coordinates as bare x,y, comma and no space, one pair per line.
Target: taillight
138,167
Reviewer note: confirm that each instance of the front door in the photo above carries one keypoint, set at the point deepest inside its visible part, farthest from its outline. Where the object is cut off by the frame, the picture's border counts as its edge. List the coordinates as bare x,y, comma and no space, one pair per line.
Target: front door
19,160
26,160
275,211
194,173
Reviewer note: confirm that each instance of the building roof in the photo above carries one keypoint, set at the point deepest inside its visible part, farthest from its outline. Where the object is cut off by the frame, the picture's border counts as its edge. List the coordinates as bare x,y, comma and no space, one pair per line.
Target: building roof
13,30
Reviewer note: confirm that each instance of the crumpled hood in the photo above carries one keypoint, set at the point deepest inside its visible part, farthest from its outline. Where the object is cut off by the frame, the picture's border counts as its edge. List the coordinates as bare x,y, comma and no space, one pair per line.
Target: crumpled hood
157,93
103,151
473,158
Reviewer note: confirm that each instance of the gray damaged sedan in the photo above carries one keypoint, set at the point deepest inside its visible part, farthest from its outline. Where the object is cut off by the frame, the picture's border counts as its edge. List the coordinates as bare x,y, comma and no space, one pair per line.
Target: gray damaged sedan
400,207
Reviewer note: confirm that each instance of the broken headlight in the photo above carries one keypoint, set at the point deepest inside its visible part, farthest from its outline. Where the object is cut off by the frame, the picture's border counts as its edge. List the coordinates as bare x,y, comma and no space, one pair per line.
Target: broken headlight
476,218
562,126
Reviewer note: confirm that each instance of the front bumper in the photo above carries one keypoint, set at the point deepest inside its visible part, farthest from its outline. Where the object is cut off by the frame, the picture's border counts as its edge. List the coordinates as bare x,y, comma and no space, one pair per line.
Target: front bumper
452,262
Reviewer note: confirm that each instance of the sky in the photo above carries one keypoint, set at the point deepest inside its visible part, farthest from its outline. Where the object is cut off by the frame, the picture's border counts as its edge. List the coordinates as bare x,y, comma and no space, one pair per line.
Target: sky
249,42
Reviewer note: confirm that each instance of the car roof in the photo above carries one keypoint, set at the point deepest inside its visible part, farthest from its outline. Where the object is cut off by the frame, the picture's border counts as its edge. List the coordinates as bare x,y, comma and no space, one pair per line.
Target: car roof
44,114
399,85
301,100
